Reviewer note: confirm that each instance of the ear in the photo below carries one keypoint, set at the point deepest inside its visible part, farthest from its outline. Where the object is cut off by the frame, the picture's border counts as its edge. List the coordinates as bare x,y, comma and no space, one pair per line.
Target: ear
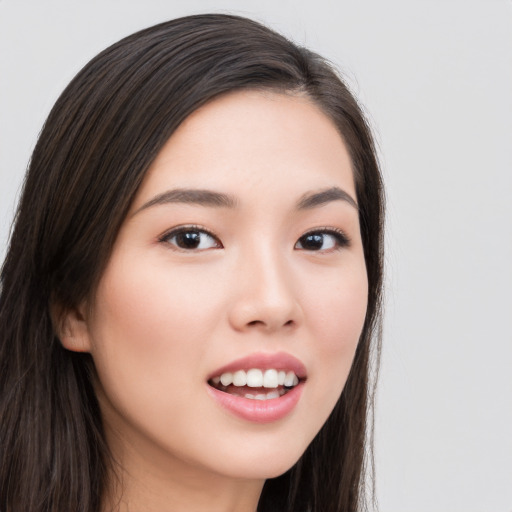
72,328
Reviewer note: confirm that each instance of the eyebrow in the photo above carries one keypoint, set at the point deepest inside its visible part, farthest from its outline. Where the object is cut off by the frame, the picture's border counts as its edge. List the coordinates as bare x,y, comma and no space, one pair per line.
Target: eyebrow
192,196
315,199
211,198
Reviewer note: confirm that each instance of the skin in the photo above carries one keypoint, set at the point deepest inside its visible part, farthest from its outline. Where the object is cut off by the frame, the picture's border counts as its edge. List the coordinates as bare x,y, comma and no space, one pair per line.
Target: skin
164,318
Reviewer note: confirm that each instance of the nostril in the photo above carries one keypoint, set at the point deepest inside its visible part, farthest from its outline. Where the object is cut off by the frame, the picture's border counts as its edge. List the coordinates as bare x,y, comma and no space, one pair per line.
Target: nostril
254,323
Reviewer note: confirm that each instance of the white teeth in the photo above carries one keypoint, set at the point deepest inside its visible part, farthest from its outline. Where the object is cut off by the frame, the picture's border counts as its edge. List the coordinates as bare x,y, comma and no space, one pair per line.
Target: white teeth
273,394
256,378
270,379
239,378
289,380
226,379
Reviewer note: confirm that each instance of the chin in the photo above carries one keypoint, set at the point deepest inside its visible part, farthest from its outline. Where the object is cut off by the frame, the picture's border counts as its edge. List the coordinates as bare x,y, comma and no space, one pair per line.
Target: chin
261,464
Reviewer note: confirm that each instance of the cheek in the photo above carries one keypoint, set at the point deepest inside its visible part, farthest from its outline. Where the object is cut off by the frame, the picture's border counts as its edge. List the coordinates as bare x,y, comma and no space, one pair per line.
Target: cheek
146,322
150,304
337,315
149,339
337,307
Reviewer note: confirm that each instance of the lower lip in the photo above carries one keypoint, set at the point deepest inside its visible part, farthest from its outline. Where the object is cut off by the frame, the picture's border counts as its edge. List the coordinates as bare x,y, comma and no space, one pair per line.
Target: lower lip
258,411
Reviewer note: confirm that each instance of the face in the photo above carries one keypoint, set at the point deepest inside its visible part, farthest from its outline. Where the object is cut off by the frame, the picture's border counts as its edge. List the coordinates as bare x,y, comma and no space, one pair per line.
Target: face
241,258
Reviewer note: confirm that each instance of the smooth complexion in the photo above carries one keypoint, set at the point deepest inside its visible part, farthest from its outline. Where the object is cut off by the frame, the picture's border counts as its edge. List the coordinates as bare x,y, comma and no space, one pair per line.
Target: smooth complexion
270,168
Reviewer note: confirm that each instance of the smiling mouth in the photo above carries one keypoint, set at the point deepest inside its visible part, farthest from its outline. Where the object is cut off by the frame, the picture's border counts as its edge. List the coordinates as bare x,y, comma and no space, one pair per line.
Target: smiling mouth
256,384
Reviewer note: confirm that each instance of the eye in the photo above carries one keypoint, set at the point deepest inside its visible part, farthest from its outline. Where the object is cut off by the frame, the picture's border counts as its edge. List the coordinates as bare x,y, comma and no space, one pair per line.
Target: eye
191,238
322,240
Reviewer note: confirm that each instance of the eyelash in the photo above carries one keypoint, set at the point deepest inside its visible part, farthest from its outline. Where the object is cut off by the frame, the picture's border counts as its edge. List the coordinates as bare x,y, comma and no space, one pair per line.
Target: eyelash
169,235
339,236
341,239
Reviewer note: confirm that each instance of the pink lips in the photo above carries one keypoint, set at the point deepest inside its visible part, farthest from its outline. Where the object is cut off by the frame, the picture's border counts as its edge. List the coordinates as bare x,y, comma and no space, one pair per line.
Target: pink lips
260,411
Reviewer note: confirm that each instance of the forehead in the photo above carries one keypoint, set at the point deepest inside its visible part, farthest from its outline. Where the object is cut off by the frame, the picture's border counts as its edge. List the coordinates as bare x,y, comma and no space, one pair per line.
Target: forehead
253,140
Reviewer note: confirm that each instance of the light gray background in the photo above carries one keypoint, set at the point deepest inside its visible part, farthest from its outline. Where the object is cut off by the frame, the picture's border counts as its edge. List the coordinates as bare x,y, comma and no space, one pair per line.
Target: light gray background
436,77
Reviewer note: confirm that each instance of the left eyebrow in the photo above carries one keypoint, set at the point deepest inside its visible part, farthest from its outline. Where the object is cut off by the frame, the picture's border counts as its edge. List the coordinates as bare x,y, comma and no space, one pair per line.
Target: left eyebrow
315,199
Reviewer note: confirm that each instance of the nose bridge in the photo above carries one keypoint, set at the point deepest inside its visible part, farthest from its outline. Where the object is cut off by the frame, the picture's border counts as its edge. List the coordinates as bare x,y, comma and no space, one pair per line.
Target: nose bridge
266,295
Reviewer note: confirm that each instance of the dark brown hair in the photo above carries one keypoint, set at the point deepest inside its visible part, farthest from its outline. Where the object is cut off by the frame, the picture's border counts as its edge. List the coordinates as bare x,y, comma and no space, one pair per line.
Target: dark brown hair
92,154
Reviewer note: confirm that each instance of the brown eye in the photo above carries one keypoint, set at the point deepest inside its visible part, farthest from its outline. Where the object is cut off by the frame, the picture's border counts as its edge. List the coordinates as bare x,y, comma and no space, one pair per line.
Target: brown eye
322,241
192,239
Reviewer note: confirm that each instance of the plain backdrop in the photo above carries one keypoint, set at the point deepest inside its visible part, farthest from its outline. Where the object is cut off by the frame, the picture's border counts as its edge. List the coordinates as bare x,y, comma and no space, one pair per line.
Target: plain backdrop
436,79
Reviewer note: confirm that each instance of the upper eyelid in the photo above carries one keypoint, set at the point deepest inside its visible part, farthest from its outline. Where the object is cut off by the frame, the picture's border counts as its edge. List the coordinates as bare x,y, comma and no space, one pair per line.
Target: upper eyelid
186,227
328,230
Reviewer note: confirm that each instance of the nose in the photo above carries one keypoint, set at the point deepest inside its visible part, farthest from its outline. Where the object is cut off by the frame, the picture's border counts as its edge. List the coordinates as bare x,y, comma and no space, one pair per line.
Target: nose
266,296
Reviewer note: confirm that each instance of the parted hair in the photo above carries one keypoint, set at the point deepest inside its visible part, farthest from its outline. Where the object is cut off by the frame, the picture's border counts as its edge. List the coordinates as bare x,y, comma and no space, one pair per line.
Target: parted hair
92,154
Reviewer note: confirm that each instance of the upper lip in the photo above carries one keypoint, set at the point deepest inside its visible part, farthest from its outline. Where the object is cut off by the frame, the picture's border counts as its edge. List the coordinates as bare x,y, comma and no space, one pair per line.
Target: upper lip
264,361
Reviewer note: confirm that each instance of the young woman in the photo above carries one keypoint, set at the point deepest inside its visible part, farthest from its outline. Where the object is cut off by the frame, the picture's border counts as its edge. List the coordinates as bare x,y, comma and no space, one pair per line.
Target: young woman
193,283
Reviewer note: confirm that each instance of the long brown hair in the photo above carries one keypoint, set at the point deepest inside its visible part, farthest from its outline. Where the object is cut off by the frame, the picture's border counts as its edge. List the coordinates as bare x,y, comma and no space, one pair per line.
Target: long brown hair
92,154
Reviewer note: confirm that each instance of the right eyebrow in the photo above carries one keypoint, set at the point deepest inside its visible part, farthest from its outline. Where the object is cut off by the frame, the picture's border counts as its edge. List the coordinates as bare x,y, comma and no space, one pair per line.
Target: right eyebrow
200,197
